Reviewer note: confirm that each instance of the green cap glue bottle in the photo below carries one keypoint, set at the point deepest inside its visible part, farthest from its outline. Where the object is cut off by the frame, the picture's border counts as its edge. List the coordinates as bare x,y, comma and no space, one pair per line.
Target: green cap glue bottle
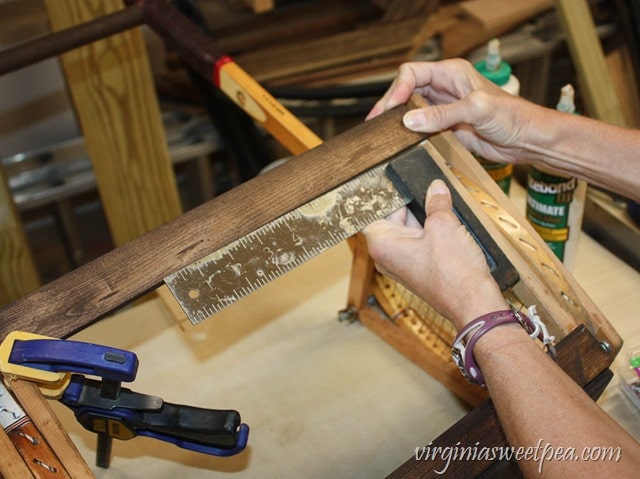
555,203
499,72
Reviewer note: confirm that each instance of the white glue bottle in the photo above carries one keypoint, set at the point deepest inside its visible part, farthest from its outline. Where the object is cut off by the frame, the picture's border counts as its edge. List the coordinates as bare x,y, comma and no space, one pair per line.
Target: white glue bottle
499,72
555,203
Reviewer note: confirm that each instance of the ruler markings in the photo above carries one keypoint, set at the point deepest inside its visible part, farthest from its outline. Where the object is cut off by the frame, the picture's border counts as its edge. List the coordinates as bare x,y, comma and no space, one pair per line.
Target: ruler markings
267,253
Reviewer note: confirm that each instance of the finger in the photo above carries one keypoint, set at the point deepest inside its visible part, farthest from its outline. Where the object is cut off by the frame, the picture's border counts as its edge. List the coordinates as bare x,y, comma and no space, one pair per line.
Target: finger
398,93
398,216
474,109
438,198
388,231
436,118
390,244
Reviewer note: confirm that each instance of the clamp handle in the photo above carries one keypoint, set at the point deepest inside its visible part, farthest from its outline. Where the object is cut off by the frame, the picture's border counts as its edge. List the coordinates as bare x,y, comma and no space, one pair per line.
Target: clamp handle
49,362
208,431
63,355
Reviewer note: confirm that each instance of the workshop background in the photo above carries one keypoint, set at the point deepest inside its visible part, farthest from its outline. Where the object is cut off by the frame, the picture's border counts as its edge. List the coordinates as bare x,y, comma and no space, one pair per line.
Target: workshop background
66,200
305,53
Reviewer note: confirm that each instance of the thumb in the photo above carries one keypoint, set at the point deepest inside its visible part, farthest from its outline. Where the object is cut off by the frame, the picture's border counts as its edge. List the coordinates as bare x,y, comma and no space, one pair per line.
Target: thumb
438,198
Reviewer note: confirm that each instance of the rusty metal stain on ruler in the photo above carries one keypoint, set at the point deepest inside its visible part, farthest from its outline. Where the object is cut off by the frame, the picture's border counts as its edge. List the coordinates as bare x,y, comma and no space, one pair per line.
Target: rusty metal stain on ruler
231,273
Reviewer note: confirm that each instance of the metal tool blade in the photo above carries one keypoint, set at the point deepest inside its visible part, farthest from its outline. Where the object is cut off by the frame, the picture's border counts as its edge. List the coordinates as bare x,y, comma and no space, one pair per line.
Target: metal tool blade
231,273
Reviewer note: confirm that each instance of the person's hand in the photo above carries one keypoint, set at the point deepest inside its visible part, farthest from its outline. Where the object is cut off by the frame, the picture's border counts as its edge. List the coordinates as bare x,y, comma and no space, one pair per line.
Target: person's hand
486,119
439,262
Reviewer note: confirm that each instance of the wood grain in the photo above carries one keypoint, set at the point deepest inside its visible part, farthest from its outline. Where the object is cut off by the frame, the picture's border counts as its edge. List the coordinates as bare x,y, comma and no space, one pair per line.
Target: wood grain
45,419
90,292
113,94
359,44
298,22
11,466
588,57
37,453
18,274
480,20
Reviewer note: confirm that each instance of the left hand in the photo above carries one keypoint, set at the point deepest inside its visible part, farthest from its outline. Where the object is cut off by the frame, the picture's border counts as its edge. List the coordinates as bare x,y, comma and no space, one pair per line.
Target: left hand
439,262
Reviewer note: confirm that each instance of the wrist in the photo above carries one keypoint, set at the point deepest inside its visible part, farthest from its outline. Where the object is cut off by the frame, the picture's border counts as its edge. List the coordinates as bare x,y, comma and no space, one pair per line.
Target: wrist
474,335
495,342
482,298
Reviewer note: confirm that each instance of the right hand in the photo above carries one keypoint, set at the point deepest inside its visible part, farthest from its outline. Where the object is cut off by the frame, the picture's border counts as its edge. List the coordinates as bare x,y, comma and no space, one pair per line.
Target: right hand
487,120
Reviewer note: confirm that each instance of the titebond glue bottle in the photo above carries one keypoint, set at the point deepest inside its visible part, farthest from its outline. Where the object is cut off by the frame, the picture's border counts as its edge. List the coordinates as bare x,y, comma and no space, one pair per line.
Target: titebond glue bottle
555,203
499,72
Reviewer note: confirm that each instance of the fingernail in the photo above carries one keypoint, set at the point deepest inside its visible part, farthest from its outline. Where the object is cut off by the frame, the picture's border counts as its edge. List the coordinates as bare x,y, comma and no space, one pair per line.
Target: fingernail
438,187
414,120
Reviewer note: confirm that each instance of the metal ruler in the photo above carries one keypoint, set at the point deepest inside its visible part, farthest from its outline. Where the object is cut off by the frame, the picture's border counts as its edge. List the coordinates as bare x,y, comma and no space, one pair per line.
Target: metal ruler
220,279
223,277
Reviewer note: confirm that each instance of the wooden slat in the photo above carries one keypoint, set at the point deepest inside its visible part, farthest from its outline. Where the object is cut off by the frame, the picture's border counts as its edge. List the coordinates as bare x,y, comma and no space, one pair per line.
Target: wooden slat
339,49
18,274
362,270
112,89
447,373
480,20
20,21
401,9
45,419
11,465
75,300
382,64
260,6
596,84
295,23
495,14
623,76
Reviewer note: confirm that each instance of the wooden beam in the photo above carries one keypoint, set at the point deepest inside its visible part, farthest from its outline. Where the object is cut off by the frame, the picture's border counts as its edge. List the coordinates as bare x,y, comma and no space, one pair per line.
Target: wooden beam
114,98
596,84
339,49
478,21
623,77
296,23
88,293
260,6
18,274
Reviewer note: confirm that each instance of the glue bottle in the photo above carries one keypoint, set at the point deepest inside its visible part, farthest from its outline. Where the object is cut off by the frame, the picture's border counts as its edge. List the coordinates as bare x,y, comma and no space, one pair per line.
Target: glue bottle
555,203
499,72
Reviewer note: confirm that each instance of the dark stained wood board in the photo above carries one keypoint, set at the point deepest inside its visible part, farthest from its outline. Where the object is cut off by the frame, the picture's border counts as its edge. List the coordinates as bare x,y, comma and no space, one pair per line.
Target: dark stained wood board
96,289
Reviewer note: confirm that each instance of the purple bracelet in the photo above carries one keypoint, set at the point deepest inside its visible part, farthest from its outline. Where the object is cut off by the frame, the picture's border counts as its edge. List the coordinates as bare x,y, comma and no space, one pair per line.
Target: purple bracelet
463,352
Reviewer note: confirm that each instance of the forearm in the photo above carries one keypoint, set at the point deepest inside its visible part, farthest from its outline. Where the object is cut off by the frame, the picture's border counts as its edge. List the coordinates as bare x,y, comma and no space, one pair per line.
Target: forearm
602,154
538,404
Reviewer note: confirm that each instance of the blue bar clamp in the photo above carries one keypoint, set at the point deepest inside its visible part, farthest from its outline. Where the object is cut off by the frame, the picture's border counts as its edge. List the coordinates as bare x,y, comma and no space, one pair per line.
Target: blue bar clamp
109,410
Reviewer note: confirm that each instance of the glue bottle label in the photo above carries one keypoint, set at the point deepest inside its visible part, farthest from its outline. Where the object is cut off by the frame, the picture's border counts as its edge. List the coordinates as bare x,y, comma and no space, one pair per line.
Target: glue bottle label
501,173
548,206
